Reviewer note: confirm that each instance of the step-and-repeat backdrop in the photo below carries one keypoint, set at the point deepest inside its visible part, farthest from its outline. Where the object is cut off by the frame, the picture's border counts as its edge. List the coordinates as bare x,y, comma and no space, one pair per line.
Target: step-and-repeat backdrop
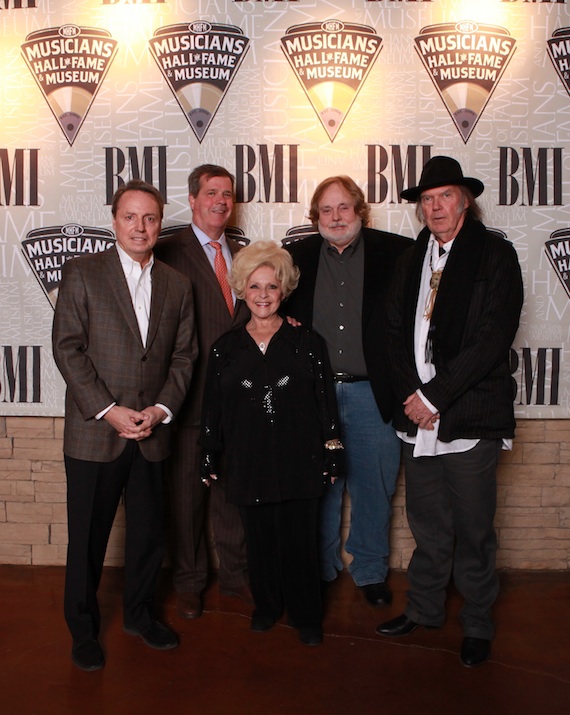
283,93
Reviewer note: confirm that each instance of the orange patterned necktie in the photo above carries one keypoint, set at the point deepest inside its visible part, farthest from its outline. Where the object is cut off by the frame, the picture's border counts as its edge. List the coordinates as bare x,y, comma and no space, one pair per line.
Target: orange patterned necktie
222,275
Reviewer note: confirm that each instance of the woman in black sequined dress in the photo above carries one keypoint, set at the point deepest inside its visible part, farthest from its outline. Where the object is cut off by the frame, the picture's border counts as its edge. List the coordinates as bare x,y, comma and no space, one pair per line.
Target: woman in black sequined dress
270,406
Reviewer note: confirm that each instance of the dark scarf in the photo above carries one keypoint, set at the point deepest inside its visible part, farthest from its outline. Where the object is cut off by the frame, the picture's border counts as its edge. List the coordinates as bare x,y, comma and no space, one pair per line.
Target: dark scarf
453,299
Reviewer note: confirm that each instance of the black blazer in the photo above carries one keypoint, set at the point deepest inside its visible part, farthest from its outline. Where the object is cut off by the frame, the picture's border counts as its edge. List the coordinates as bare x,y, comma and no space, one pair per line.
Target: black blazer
474,322
381,251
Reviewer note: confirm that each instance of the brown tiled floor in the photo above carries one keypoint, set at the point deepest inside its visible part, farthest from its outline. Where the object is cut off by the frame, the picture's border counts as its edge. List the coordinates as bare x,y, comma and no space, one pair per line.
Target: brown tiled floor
222,668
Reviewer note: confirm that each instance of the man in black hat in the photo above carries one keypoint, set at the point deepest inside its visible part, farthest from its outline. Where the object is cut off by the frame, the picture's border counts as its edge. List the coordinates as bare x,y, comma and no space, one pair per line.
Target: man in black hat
452,316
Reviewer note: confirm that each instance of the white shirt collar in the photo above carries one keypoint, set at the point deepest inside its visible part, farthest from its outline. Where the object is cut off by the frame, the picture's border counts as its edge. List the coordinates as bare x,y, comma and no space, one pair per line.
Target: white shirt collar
205,239
129,265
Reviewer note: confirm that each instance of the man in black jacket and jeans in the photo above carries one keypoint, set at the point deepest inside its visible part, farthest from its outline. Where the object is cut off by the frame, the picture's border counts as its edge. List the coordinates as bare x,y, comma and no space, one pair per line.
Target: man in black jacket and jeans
346,269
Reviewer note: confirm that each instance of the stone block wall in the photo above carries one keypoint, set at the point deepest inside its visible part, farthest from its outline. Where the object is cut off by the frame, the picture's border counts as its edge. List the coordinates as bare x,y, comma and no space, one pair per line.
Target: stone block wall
533,515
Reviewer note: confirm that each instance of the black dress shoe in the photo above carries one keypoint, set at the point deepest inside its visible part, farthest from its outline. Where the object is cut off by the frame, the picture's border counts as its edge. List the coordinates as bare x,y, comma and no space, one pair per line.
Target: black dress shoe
475,651
311,635
156,635
400,626
260,624
88,655
378,594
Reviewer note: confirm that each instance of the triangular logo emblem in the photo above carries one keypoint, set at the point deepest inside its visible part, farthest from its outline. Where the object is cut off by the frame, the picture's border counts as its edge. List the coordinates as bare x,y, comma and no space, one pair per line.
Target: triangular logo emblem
558,252
69,63
559,51
331,60
465,61
199,61
47,249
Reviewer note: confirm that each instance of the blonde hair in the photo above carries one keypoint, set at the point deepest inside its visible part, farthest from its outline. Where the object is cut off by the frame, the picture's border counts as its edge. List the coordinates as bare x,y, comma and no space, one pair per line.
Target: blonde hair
263,253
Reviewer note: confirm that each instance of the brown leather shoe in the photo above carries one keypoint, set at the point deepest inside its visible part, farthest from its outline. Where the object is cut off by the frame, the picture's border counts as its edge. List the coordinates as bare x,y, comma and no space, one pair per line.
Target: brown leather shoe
242,592
189,605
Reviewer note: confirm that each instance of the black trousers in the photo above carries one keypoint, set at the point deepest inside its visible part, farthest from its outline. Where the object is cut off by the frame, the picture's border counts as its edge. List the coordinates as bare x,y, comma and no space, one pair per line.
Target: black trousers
450,503
93,493
283,561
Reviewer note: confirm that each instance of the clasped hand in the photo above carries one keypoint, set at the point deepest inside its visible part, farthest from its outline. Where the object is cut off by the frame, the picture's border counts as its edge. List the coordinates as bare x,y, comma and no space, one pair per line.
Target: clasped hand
420,414
132,424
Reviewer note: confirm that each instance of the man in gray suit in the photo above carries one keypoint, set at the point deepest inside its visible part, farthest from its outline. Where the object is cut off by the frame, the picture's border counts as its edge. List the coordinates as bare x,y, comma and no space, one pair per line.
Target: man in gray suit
123,339
203,252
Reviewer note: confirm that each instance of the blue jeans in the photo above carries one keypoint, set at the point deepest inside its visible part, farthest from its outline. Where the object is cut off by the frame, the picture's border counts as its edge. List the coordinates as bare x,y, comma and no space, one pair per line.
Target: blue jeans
372,459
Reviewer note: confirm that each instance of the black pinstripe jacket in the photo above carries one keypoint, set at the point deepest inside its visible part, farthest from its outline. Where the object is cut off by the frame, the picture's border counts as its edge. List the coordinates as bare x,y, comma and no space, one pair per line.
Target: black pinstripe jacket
474,322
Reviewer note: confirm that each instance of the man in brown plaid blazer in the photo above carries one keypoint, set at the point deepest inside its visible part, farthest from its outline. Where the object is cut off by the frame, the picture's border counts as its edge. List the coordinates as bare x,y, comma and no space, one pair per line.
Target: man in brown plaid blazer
123,339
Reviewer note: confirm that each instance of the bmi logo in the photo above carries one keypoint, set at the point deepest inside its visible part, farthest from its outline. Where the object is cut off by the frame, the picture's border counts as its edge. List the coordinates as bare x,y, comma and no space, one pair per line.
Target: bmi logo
331,60
69,64
559,51
199,62
47,249
465,62
558,252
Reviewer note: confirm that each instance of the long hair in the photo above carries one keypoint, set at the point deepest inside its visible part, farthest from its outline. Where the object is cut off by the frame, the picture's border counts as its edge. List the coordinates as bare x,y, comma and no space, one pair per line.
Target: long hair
473,210
361,207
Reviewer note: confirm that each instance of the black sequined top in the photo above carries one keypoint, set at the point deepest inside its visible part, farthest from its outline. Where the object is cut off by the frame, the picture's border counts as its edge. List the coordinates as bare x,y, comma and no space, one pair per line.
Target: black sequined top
271,414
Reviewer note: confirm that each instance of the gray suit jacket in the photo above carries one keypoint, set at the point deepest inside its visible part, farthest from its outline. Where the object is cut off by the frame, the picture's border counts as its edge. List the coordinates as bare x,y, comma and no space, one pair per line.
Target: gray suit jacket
98,350
184,252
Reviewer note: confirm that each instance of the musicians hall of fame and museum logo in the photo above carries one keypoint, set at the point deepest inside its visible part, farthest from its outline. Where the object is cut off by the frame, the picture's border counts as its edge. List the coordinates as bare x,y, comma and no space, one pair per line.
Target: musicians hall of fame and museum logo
199,62
559,52
47,249
465,61
558,252
331,60
69,63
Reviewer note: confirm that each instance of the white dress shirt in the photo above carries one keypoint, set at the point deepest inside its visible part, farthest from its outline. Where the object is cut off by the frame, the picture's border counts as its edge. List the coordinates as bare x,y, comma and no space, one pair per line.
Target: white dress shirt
426,442
210,251
139,283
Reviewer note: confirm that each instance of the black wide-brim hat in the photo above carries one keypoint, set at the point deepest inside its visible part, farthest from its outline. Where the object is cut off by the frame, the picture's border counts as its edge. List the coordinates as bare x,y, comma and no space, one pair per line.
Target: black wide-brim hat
442,171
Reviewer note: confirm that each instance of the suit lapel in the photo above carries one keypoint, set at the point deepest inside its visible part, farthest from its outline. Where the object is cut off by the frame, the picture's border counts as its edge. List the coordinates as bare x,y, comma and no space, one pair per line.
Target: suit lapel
240,308
118,285
377,273
197,257
307,259
373,278
412,290
456,289
158,296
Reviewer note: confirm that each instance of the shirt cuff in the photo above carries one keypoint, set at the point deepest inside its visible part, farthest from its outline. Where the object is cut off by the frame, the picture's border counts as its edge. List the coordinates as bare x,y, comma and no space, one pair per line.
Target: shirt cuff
169,416
426,402
101,414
